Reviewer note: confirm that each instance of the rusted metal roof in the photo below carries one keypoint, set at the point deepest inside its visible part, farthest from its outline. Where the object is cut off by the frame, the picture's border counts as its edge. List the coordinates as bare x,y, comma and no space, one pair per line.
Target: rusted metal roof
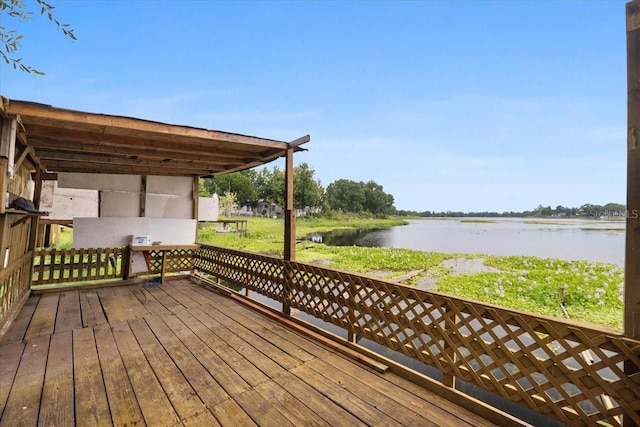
62,140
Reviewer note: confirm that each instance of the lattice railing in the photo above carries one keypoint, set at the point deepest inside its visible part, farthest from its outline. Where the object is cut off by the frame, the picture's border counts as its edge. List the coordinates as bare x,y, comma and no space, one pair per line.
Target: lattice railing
175,260
568,371
77,265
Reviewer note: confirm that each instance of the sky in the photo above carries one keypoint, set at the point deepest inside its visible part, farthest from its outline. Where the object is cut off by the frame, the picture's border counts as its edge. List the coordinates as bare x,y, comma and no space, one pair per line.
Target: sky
449,105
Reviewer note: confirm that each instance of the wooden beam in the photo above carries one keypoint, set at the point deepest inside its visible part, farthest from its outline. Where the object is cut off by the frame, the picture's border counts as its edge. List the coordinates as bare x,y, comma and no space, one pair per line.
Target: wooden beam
632,266
125,126
303,139
129,151
119,159
98,143
23,155
84,167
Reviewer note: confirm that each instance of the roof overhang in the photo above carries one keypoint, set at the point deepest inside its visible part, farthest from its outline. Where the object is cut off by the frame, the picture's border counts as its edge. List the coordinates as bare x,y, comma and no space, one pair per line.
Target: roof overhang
62,140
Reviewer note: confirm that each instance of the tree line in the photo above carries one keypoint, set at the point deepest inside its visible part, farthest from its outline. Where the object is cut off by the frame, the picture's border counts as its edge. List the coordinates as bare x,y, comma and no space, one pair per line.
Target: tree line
608,211
252,186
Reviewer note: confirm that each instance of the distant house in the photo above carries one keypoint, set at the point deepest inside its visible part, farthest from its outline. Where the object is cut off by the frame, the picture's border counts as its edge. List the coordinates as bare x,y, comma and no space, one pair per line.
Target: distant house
308,211
246,210
266,209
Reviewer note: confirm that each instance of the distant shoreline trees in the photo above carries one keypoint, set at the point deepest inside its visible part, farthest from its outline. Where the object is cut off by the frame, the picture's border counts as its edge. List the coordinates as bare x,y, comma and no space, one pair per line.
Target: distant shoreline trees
608,211
254,186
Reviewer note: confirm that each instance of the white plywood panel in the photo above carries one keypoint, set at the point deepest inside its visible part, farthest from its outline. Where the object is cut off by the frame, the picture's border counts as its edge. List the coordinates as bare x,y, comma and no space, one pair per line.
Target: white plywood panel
168,206
119,204
111,232
174,185
68,203
94,181
208,209
139,263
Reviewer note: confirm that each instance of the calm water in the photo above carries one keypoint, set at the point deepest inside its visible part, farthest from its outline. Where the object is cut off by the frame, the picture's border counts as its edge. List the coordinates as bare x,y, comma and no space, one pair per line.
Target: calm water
570,239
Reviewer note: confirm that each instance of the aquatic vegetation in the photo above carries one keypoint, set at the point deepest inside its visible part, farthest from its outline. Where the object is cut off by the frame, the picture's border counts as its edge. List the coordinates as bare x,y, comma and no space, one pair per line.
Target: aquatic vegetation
362,260
590,291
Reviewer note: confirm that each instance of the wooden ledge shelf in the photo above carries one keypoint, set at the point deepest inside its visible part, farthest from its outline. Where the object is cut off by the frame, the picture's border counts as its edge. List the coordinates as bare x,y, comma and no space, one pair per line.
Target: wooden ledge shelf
21,212
150,248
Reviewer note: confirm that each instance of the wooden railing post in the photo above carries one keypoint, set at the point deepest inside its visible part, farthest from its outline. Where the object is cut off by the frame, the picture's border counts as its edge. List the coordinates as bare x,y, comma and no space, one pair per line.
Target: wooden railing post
449,379
287,288
126,262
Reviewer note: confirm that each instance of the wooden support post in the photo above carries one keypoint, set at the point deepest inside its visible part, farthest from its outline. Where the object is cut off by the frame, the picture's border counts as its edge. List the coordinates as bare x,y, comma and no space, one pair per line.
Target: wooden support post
289,228
37,189
35,221
632,250
126,263
289,213
632,266
196,201
4,182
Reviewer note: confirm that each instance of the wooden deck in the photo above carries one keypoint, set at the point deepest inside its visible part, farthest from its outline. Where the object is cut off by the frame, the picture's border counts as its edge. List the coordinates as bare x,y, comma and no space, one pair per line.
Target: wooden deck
179,354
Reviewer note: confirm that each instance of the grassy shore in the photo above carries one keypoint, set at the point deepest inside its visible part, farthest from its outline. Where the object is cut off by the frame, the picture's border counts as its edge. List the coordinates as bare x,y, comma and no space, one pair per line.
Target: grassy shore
592,292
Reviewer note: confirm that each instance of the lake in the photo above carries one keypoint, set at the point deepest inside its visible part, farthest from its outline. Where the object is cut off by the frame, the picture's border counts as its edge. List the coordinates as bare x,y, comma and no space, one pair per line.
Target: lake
569,239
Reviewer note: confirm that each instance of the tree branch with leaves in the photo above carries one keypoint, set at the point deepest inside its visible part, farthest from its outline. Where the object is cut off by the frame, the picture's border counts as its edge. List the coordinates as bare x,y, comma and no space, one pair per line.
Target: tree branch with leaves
10,39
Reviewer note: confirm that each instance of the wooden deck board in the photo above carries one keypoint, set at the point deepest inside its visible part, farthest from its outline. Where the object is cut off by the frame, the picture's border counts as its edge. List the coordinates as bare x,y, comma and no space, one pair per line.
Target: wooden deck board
289,405
69,316
23,404
125,410
154,403
91,400
238,363
320,404
230,413
44,317
352,403
56,407
92,312
177,354
210,375
181,394
10,355
18,329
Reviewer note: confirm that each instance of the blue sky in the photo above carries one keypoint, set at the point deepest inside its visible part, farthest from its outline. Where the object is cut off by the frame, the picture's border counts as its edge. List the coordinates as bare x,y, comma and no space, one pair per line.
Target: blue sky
449,105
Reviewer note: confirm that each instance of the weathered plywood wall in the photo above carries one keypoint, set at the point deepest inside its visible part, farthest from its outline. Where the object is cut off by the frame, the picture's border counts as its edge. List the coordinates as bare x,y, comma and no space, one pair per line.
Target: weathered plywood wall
158,206
112,232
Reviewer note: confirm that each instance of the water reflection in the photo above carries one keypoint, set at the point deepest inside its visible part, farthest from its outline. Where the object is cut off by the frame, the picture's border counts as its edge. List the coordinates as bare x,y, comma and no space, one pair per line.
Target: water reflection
570,239
361,237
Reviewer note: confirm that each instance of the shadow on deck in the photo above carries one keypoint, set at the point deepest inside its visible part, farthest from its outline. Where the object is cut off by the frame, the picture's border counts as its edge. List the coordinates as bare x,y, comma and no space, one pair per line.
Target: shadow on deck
180,354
